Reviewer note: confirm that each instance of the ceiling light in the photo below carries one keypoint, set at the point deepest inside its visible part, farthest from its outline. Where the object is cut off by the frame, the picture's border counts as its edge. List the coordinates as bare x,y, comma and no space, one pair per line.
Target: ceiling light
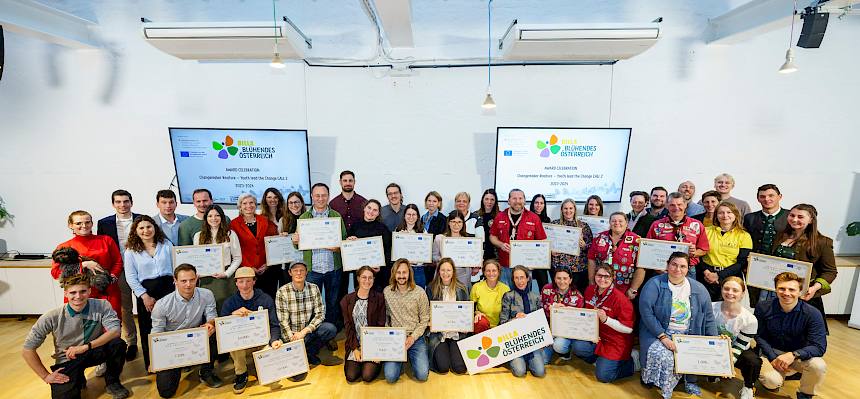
277,62
788,66
489,103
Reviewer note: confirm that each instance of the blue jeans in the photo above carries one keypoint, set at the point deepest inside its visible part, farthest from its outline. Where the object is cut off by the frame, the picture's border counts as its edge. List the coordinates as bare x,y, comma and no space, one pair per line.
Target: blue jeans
331,282
417,356
420,278
584,350
506,277
315,340
533,360
559,345
605,370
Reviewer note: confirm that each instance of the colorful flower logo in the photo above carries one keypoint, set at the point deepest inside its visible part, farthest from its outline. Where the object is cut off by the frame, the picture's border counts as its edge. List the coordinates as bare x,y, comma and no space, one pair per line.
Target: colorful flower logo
486,346
549,146
225,148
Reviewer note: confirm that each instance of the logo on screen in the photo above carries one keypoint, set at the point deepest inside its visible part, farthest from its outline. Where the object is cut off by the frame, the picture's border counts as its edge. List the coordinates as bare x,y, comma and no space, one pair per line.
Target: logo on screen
509,153
548,146
225,148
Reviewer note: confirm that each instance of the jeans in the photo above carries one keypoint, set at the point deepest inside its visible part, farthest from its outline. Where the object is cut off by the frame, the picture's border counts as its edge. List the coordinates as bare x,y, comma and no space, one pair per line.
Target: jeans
533,360
559,345
605,370
420,278
157,288
417,356
315,340
506,277
112,354
167,381
331,282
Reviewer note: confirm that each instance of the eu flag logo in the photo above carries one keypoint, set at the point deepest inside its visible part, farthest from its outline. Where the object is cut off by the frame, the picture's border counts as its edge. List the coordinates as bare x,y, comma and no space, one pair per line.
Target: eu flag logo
508,153
184,154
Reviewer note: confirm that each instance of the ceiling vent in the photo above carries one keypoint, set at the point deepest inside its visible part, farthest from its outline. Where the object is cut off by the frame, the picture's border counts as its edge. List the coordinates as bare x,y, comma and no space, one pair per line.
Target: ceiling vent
577,42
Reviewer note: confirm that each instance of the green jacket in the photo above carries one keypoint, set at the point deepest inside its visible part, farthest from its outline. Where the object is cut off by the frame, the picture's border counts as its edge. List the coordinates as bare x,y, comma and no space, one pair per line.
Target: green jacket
308,255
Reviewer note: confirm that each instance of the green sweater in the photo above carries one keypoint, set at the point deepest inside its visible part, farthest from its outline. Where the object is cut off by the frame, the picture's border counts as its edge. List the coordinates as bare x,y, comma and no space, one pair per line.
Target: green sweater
308,255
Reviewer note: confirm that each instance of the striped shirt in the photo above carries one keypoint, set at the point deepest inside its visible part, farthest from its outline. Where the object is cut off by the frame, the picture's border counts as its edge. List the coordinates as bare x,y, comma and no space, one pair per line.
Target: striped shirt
299,309
741,329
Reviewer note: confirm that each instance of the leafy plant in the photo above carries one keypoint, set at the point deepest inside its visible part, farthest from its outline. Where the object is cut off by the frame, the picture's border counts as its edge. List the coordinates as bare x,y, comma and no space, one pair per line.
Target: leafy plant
4,213
853,229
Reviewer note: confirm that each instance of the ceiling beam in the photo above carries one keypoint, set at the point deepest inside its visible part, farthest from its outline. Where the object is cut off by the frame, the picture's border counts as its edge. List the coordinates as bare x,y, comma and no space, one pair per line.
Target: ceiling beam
396,19
37,20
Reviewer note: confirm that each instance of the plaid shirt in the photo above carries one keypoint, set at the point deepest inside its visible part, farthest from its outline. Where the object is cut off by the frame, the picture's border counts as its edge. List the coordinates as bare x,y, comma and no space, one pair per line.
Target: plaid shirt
322,259
299,309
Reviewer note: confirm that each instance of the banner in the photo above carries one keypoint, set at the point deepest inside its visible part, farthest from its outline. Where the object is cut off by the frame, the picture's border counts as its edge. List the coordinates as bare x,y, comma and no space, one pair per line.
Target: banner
506,342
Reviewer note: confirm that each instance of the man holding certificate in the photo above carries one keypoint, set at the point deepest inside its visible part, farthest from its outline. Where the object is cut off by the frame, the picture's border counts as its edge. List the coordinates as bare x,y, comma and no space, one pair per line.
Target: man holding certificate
408,307
187,307
514,223
679,227
243,303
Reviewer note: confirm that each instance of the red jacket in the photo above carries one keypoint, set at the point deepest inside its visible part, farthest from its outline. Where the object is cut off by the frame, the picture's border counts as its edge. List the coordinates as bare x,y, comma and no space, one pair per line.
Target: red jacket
529,228
104,251
253,247
613,345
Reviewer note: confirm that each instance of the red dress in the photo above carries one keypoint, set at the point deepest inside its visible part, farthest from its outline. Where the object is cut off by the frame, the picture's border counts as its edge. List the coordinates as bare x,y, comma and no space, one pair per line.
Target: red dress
104,251
253,247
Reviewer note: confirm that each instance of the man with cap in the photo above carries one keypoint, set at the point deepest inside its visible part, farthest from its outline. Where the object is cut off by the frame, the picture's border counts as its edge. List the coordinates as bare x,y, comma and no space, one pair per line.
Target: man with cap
301,313
249,299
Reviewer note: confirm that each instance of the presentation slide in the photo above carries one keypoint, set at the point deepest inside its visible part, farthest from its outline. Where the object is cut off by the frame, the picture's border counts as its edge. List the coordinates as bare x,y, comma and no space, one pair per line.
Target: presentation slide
230,162
561,163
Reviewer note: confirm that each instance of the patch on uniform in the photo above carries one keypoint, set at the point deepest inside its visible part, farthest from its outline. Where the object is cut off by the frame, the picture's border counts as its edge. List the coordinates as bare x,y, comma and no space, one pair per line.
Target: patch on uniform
628,240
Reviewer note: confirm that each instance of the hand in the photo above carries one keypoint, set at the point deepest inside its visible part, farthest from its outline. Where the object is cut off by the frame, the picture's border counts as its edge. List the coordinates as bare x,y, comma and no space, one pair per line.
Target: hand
375,269
296,239
298,335
220,275
668,343
56,377
276,344
283,234
148,302
581,242
478,316
783,362
711,277
631,294
357,354
409,341
506,247
92,265
475,271
520,315
553,253
74,351
810,293
351,238
243,311
210,329
602,315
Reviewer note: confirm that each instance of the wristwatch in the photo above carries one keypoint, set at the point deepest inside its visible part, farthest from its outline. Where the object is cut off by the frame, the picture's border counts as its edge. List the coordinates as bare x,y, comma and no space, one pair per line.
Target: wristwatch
89,346
796,355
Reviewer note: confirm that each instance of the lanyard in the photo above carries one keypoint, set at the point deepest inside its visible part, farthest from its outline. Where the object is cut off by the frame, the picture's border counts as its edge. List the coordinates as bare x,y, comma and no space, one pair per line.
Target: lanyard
515,225
594,300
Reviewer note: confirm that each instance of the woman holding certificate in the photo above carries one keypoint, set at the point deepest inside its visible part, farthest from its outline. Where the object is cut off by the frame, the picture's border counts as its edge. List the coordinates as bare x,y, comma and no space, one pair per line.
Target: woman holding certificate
251,229
488,211
740,325
219,232
730,246
370,225
578,265
444,352
618,248
517,304
593,206
487,295
434,223
462,201
361,308
148,271
410,224
456,227
295,208
611,355
670,304
560,293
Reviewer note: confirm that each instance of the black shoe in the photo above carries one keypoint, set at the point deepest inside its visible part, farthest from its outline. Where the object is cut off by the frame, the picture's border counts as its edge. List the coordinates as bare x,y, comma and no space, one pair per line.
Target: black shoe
210,379
330,360
240,382
117,391
297,378
131,353
331,345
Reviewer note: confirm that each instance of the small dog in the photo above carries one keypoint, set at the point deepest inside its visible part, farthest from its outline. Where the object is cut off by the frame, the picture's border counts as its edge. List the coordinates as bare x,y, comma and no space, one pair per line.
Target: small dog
69,261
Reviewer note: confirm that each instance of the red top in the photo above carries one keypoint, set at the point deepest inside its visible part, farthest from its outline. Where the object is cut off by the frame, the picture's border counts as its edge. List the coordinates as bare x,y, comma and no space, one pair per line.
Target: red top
529,227
613,345
103,250
549,296
623,258
253,247
692,230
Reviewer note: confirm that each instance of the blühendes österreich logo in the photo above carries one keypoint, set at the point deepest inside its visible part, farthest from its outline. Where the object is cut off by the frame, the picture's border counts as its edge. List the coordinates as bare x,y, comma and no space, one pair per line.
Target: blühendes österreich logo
486,346
565,148
225,148
548,146
243,148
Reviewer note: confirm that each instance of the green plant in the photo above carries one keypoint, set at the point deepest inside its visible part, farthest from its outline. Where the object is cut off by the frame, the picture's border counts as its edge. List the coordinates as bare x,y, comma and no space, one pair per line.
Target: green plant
4,213
853,229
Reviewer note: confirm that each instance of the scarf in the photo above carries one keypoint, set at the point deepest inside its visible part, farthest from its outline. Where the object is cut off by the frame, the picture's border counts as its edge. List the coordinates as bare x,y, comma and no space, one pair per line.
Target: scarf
597,300
515,225
524,294
679,235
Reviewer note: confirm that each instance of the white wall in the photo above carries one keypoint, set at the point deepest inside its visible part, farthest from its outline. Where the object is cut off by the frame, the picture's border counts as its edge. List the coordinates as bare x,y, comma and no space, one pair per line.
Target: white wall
71,135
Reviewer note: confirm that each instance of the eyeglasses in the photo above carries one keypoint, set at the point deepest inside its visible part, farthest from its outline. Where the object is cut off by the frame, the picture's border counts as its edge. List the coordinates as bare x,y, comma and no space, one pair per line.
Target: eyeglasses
456,222
674,266
606,276
294,202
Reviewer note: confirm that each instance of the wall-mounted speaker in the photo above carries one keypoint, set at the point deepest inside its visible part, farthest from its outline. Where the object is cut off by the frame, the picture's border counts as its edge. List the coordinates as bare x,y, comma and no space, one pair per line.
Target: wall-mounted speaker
814,25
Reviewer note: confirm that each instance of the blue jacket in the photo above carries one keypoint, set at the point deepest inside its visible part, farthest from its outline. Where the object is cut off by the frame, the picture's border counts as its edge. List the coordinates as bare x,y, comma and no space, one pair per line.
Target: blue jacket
655,308
259,299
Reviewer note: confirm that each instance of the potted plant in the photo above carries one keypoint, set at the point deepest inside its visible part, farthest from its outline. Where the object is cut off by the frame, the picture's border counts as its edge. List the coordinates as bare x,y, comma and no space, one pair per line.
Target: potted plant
4,213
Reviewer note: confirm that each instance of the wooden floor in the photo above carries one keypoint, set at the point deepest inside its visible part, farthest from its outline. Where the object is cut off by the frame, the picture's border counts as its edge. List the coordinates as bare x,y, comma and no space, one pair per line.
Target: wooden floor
572,379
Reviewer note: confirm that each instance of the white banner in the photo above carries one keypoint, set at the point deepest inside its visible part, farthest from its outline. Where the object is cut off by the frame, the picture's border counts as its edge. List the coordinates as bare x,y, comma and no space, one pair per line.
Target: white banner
506,342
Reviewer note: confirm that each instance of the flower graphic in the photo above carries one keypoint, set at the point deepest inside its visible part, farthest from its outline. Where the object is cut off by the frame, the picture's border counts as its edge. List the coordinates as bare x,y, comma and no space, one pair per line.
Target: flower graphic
483,360
225,148
549,146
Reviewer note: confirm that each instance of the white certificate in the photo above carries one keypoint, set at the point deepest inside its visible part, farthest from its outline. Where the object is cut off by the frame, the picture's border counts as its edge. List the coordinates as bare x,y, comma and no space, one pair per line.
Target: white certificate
274,365
207,259
701,355
574,323
383,344
362,252
531,254
653,254
597,224
414,247
280,250
762,269
563,239
180,348
317,233
236,332
456,316
464,251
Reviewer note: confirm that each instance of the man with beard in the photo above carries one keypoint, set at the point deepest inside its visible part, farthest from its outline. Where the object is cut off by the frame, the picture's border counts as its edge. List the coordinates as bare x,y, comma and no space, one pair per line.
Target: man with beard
407,307
677,226
658,202
688,189
514,223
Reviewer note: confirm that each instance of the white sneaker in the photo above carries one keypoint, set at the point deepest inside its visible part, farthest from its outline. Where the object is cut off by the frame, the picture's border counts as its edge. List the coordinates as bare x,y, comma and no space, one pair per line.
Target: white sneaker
747,393
101,370
635,355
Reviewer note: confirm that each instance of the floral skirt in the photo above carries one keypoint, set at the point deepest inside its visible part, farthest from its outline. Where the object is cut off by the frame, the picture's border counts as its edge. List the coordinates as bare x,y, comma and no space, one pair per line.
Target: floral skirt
660,368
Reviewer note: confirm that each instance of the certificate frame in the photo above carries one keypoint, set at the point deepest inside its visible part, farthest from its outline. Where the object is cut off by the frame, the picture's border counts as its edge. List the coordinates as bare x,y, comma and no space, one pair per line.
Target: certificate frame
304,247
365,329
728,354
550,227
300,343
263,314
153,336
267,241
425,236
458,264
469,304
546,243
378,242
753,282
555,309
212,246
651,241
591,220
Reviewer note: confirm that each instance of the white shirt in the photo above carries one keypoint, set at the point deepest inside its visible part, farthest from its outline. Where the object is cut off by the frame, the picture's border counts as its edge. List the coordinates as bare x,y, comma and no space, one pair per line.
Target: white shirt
232,252
123,227
681,314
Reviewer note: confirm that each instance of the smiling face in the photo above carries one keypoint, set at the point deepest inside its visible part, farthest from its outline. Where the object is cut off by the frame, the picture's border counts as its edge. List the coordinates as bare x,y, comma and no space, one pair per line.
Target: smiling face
539,205
725,216
521,280
371,212
166,206
517,201
677,208
462,204
145,230
446,273
347,183
687,188
411,217
788,293
185,283
213,219
677,269
562,280
319,196
272,201
294,204
248,206
769,200
489,202
365,280
618,223
122,204
491,272
299,274
201,200
401,275
710,204
799,219
658,199
723,185
638,203
431,203
568,211
456,226
592,207
245,285
395,197
603,279
77,296
732,292
82,225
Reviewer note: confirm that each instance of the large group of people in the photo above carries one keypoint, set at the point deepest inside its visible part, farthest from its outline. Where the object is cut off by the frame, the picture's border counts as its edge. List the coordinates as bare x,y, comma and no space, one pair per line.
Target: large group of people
699,293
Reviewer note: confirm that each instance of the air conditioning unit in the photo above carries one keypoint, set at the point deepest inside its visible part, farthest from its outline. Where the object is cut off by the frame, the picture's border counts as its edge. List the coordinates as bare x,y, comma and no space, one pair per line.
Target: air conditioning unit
577,42
227,40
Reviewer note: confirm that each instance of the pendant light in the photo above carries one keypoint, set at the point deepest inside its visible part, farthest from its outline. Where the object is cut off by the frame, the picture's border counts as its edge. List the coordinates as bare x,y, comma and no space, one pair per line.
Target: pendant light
489,103
789,66
277,62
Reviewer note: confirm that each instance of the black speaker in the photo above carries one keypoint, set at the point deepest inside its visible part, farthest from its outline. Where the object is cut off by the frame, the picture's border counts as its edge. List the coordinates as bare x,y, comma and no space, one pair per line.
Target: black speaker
2,51
814,25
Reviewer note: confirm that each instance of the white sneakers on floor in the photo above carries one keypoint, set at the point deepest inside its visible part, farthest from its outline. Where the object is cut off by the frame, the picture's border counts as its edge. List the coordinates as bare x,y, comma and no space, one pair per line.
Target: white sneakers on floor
747,393
101,370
